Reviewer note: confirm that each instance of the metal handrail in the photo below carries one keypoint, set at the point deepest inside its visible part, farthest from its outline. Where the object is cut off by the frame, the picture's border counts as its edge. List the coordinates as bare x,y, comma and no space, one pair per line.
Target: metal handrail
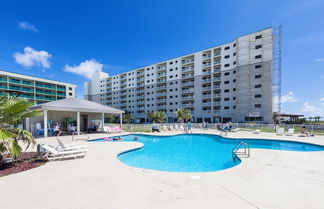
238,146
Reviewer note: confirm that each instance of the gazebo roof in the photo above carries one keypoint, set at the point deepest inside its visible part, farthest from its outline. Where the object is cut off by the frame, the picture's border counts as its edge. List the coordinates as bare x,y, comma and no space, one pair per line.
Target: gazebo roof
77,105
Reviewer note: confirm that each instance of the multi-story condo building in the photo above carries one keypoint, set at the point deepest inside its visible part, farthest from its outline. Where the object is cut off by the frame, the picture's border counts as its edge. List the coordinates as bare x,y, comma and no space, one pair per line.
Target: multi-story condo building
34,89
227,82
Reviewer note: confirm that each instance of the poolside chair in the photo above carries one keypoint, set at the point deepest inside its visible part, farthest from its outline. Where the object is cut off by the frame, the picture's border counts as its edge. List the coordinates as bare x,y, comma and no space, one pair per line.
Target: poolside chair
165,128
280,131
63,146
302,135
176,127
235,130
256,131
54,154
181,128
290,132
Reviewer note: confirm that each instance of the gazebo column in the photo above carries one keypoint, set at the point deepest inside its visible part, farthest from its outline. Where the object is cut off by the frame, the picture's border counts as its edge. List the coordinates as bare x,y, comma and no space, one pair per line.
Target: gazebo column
78,123
45,124
102,121
121,120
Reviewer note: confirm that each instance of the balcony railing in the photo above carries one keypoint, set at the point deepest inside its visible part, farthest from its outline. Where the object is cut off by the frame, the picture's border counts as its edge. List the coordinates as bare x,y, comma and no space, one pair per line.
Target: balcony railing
206,96
3,79
161,94
161,75
160,68
206,103
188,76
206,64
188,61
187,105
217,62
188,90
217,54
188,98
161,107
216,86
161,81
207,80
161,100
206,88
161,87
188,69
206,56
188,83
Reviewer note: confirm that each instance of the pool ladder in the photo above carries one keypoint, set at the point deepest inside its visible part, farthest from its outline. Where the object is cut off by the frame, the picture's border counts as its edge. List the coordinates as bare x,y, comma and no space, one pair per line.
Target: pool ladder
241,148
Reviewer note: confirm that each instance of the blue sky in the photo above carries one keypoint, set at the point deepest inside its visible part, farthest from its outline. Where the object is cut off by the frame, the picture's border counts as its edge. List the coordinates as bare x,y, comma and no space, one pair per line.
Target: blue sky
66,40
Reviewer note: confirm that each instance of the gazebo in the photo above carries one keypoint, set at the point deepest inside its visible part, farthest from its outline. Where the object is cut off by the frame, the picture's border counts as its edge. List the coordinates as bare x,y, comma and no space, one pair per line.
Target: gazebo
72,107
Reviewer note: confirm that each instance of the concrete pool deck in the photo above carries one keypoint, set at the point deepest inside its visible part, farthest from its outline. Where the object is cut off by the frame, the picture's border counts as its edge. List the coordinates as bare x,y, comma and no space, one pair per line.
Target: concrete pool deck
268,179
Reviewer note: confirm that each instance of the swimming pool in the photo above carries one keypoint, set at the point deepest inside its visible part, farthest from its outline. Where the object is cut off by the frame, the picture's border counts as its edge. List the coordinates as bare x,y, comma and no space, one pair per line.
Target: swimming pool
196,152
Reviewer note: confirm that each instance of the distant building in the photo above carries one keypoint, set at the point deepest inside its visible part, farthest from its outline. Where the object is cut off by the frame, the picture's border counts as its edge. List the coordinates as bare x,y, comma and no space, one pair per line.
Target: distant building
232,81
34,89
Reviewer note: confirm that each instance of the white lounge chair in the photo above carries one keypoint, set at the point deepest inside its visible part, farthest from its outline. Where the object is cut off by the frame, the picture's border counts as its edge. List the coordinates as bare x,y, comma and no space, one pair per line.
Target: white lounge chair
54,154
181,128
63,146
176,127
235,130
290,132
280,131
256,131
165,128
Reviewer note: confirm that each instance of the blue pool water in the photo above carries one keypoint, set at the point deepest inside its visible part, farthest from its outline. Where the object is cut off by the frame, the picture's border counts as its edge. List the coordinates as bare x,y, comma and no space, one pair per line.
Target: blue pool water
195,152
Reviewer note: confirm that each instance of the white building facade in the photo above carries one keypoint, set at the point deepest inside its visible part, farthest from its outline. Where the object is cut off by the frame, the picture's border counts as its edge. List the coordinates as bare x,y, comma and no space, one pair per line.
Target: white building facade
230,82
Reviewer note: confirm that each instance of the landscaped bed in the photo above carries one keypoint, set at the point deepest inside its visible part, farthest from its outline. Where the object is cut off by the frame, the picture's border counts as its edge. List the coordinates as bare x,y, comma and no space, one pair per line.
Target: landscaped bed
26,161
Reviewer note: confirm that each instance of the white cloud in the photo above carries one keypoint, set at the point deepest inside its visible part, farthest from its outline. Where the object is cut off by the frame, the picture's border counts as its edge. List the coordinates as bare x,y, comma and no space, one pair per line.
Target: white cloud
320,60
322,99
312,110
31,57
86,68
288,98
27,26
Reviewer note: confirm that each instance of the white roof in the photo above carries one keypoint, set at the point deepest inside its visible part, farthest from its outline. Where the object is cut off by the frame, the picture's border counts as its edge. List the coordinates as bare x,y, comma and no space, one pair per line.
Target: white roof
77,105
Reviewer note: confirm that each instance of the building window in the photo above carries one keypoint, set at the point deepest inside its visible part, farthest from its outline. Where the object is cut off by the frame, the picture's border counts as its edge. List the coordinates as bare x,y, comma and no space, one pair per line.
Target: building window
170,63
226,74
234,89
234,107
234,98
226,90
234,63
226,65
234,54
226,99
257,105
70,94
258,46
227,56
226,107
258,36
257,76
70,88
227,48
257,86
226,82
234,80
257,96
234,45
257,66
258,56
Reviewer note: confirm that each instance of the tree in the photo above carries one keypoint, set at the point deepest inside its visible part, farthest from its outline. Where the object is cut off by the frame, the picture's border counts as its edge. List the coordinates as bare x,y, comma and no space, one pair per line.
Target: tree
310,119
128,118
182,114
159,117
150,116
109,118
13,110
317,118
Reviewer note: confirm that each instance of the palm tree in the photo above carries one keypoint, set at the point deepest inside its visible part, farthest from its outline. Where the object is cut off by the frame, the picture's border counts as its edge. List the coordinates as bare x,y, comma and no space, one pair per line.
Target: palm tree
128,118
12,112
182,114
150,116
317,118
310,119
159,117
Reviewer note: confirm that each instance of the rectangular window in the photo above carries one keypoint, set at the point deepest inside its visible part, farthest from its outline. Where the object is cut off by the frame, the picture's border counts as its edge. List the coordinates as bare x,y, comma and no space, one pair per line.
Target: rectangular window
257,86
226,74
257,105
226,90
258,46
226,65
234,63
227,48
258,56
70,88
226,107
234,45
234,54
257,76
227,56
258,66
226,99
257,96
226,82
258,36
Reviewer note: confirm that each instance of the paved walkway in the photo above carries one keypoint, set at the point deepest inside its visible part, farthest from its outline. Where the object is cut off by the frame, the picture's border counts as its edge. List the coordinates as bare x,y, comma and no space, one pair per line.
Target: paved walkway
268,179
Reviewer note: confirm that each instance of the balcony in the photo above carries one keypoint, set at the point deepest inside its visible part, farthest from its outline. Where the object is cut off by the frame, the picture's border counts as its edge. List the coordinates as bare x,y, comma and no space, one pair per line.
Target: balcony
216,86
140,96
161,75
188,76
47,86
161,68
217,79
140,91
140,102
206,64
187,98
216,111
217,95
61,88
140,84
207,88
188,105
140,73
140,108
217,62
161,87
217,70
206,103
3,80
3,87
44,92
161,81
161,94
206,111
191,83
140,79
191,90
161,101
206,56
187,61
161,107
45,98
20,89
208,80
217,102
206,96
207,72
188,69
